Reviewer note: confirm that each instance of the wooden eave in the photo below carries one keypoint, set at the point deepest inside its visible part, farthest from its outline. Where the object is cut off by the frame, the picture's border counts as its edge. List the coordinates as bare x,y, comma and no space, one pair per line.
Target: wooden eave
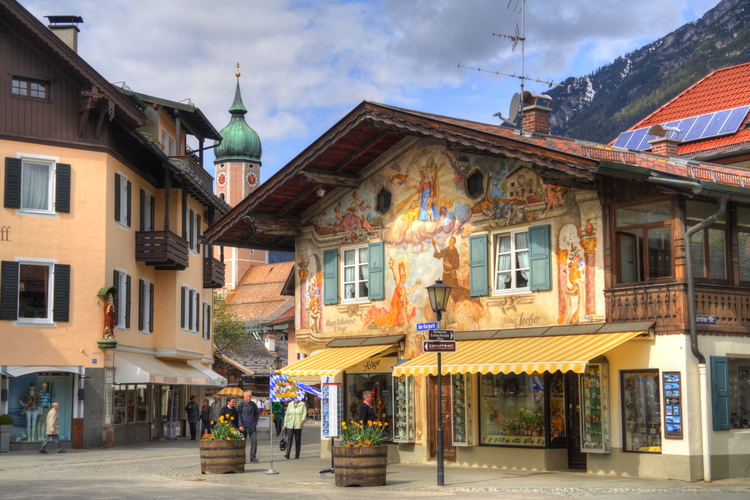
338,159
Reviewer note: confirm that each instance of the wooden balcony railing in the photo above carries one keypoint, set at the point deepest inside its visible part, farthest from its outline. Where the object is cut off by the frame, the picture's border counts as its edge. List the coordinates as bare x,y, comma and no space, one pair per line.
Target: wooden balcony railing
162,249
213,273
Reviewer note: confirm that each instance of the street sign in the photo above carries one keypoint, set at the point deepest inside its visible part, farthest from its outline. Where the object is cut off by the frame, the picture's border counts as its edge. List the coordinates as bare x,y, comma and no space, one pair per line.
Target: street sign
439,346
422,327
703,319
440,335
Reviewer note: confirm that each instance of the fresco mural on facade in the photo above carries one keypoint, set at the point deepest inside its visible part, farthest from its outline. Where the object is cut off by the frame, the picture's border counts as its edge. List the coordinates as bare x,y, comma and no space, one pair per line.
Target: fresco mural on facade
426,233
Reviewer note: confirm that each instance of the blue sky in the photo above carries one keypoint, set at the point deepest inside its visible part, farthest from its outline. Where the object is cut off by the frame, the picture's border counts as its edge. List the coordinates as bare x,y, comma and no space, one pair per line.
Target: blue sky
306,63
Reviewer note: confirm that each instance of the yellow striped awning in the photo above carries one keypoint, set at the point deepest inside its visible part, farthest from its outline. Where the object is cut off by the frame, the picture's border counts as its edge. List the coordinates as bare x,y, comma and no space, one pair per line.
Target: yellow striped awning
333,361
518,355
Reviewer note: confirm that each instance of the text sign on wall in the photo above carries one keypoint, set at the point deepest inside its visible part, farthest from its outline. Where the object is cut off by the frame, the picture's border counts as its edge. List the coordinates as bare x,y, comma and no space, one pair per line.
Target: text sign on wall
672,386
440,335
421,327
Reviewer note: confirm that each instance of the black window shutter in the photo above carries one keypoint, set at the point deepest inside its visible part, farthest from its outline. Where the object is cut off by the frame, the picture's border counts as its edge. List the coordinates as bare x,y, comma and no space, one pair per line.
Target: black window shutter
12,183
61,304
197,235
117,199
151,308
127,301
153,214
182,307
143,211
116,284
191,299
62,188
197,312
129,188
207,319
141,300
9,294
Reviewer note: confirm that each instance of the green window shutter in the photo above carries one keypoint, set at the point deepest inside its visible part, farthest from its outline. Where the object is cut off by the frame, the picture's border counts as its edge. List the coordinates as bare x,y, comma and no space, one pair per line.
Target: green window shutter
127,301
128,190
143,211
62,188
151,308
376,269
12,183
540,258
9,271
478,265
61,304
182,307
720,392
330,276
117,199
141,300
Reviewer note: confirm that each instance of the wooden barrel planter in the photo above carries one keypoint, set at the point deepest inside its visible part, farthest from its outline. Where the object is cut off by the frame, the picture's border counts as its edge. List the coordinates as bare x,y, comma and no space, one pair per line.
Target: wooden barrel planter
221,457
360,466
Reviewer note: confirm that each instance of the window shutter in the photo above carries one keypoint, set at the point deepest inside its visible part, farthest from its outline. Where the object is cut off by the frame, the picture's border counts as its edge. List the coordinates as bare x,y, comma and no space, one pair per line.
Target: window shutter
128,189
12,183
143,211
62,188
720,392
116,285
478,266
197,312
198,234
207,320
153,214
9,289
330,276
117,199
127,301
151,308
539,256
141,300
61,304
376,269
182,308
191,300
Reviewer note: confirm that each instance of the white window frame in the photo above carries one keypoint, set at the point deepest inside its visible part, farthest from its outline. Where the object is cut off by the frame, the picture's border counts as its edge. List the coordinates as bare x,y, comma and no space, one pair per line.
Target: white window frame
51,163
514,269
146,305
191,313
357,281
121,308
50,264
168,143
123,221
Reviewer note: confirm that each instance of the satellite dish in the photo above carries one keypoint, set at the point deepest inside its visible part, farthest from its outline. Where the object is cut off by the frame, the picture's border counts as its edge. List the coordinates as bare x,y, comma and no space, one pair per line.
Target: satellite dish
515,107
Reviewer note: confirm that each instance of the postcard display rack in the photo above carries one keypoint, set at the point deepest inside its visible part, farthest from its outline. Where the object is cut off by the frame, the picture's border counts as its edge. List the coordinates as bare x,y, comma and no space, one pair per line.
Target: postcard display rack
595,408
461,390
403,402
333,410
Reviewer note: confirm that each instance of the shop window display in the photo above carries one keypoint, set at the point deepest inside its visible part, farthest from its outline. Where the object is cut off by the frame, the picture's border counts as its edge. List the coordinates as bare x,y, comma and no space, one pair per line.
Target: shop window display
30,399
381,385
131,403
516,409
739,393
641,408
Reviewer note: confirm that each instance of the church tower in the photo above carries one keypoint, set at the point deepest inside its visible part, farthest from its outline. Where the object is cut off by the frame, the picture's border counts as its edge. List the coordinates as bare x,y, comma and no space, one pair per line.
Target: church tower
237,174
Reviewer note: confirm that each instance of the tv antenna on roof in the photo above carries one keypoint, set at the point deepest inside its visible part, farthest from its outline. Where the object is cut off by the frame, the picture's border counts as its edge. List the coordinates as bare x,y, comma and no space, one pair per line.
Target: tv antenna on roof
516,108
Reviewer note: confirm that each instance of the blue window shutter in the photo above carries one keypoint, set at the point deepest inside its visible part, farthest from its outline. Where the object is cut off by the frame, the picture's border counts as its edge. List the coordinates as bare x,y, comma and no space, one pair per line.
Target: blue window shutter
376,269
330,276
720,392
478,265
9,298
61,304
540,259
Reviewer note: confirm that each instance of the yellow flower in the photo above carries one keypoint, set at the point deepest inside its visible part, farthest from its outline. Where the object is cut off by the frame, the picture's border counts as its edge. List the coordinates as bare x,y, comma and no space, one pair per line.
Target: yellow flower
231,418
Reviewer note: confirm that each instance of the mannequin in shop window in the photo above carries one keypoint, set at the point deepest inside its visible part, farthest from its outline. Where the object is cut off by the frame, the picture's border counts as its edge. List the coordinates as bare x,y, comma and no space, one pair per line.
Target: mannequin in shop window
45,402
30,404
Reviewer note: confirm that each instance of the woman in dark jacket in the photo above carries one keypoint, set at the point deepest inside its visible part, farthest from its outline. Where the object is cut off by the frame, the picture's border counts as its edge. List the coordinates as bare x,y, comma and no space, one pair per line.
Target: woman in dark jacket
205,418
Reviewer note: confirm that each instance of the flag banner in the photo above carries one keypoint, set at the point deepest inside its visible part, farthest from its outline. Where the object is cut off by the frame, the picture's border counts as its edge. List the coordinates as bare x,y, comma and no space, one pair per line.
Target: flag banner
285,388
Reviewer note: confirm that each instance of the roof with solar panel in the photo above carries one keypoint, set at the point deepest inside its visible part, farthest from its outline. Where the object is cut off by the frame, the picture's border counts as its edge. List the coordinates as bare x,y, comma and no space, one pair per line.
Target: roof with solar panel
710,117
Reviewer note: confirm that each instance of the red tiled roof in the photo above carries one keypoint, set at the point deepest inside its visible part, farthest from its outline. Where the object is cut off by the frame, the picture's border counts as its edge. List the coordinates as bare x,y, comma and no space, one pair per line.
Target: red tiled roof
259,294
725,88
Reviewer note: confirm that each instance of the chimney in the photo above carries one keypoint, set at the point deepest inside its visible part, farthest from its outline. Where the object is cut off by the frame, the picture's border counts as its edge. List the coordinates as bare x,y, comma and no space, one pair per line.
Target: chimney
66,29
535,116
664,146
270,342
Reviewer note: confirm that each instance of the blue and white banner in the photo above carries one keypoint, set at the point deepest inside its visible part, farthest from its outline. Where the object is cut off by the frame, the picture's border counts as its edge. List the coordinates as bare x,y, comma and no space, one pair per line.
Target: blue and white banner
285,388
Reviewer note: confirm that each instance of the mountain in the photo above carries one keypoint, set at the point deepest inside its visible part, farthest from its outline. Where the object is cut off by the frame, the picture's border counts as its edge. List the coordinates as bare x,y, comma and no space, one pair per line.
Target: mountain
599,106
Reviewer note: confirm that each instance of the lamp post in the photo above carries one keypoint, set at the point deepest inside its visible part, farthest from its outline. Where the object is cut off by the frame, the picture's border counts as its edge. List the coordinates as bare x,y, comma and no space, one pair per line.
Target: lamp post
277,363
439,294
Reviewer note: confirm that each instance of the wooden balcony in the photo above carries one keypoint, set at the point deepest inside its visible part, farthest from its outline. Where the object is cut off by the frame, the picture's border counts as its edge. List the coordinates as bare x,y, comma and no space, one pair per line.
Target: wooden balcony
162,249
666,304
213,273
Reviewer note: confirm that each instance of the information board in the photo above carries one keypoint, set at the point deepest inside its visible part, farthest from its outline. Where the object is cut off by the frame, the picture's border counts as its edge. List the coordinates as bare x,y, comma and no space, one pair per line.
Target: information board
332,402
672,387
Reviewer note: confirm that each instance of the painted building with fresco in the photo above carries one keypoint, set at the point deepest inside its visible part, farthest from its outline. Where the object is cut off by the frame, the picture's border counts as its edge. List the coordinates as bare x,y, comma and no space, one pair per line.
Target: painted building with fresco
569,283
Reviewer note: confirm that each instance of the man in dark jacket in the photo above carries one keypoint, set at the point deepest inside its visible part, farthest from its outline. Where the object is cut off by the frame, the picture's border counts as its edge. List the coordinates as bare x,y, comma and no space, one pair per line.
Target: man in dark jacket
248,420
193,415
229,412
366,413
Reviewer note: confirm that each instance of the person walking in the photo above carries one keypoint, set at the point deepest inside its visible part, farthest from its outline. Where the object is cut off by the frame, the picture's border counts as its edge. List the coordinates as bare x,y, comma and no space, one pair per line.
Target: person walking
294,420
193,415
53,430
215,410
278,416
248,421
205,418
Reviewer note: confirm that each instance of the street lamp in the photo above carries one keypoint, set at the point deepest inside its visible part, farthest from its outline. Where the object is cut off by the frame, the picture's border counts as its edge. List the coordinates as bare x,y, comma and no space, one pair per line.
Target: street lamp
439,294
277,364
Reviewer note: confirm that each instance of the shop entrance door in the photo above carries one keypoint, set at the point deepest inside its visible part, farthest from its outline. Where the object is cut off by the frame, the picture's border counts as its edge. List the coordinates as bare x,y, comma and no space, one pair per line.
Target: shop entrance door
449,451
576,458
